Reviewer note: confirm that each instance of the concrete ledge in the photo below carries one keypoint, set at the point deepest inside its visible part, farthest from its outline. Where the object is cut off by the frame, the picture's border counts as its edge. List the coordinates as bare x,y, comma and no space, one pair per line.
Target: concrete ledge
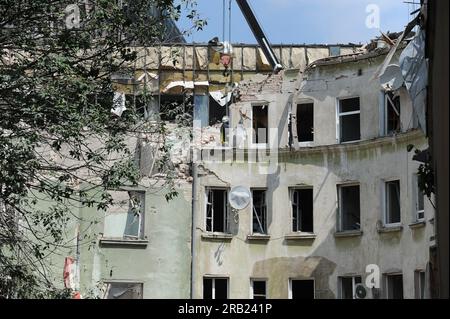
217,237
123,242
256,237
348,233
300,236
417,224
389,229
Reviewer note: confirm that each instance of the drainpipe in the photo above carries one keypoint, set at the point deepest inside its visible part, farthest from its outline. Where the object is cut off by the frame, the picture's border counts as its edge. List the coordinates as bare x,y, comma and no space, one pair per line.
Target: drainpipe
193,226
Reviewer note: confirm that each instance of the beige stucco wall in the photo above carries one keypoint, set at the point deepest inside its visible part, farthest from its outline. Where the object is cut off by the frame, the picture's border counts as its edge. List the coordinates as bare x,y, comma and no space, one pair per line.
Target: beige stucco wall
322,166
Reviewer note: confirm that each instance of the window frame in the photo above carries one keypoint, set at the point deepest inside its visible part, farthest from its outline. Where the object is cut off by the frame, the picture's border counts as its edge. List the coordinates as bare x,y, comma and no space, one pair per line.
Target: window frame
226,215
252,281
418,287
253,131
340,278
387,286
141,230
386,201
213,286
416,195
290,294
340,215
387,103
292,190
340,114
297,118
123,282
266,212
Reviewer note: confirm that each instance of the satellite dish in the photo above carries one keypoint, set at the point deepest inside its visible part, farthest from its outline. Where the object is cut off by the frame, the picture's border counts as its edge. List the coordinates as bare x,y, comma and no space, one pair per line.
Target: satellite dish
360,291
239,197
392,79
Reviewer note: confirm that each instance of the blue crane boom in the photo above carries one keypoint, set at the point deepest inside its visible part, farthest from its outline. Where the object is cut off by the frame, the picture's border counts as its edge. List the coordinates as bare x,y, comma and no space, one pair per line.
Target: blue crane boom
259,35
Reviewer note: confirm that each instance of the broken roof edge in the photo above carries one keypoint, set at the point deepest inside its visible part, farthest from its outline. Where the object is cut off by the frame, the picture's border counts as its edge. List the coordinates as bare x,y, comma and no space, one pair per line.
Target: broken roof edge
353,57
250,45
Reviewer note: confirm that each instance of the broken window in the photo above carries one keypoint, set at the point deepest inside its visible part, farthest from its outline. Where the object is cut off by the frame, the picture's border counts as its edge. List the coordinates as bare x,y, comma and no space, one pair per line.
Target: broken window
419,205
392,113
348,286
301,289
258,289
259,212
123,290
394,285
215,288
305,122
392,202
177,108
349,120
217,210
144,106
260,124
349,207
419,284
216,111
125,218
302,210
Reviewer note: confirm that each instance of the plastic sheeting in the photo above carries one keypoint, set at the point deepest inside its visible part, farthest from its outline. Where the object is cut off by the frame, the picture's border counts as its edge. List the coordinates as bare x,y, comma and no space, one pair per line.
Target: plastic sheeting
414,68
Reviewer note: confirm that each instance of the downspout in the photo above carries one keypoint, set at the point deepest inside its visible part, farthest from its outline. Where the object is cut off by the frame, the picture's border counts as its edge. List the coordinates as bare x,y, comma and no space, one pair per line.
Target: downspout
193,228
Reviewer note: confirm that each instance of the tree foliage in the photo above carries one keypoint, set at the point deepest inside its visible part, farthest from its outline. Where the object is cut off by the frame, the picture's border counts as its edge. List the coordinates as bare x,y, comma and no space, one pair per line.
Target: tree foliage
57,131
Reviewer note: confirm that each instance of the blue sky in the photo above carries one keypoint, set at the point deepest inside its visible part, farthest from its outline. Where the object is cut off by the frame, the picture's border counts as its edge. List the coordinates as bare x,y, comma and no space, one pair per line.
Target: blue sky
303,21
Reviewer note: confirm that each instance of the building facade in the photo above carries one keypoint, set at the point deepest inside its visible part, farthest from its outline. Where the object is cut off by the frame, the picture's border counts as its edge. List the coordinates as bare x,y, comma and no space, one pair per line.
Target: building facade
336,199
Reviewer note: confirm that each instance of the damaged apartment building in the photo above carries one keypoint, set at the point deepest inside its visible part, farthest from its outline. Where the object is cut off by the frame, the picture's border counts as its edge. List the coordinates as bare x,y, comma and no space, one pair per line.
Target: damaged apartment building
295,184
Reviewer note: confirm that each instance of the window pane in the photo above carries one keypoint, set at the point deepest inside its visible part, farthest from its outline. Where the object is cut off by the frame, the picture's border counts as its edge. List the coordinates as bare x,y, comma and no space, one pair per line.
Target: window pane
302,289
349,105
303,210
350,128
393,119
393,204
346,288
305,122
395,287
124,291
207,288
350,207
216,210
259,212
221,289
259,289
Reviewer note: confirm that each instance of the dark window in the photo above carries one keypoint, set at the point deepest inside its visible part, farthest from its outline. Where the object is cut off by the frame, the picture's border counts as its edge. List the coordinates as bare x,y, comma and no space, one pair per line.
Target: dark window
420,205
302,210
349,120
176,108
392,113
349,207
348,287
217,210
394,287
393,202
305,122
419,284
260,124
302,289
216,112
259,289
259,212
215,288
